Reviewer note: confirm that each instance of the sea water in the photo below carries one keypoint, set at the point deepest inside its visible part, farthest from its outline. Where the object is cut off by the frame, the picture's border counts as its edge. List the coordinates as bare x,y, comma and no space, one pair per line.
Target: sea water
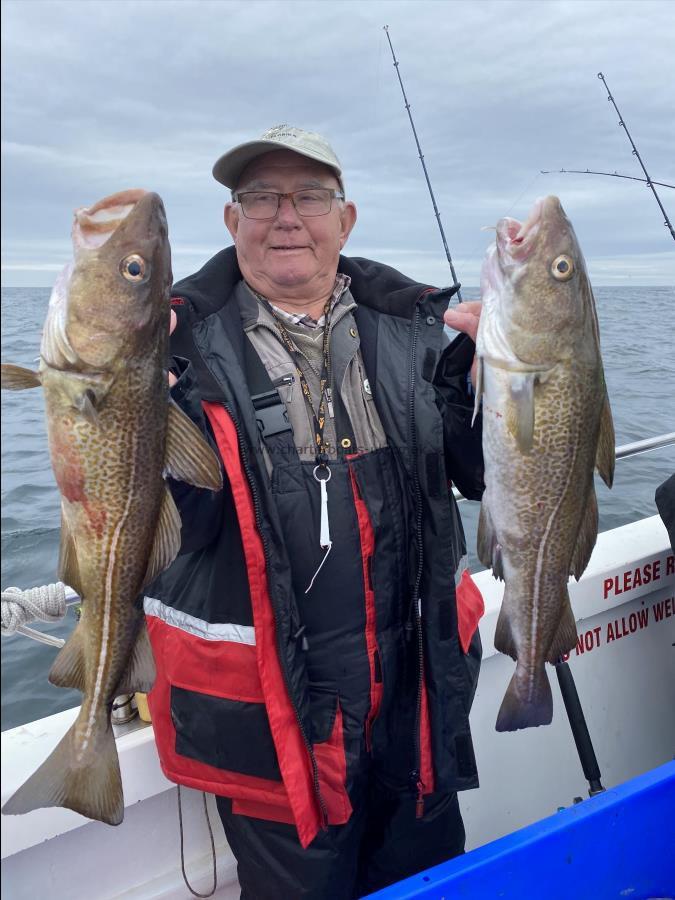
639,355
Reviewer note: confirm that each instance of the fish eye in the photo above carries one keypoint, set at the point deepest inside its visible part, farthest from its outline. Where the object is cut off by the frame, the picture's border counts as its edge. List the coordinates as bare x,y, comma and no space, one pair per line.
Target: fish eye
133,268
562,268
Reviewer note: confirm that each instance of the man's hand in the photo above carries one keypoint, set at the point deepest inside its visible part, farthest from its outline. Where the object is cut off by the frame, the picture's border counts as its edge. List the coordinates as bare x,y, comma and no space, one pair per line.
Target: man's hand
465,317
172,325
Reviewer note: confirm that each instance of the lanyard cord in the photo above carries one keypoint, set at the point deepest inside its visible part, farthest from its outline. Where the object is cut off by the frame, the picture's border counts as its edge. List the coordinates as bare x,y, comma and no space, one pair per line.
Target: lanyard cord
318,415
322,472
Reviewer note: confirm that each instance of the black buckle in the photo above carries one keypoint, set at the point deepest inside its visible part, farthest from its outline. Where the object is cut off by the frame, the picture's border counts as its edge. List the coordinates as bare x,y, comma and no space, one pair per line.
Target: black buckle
271,414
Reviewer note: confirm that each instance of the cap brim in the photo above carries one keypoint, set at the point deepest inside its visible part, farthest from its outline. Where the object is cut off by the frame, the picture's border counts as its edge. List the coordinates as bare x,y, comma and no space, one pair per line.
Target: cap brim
230,165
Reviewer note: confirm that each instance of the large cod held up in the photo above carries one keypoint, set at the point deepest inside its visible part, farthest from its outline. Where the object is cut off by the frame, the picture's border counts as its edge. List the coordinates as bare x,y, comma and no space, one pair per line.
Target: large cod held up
113,436
546,425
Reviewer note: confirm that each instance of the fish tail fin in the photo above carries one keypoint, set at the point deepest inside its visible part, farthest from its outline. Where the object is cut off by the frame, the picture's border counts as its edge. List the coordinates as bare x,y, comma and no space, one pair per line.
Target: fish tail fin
527,702
86,781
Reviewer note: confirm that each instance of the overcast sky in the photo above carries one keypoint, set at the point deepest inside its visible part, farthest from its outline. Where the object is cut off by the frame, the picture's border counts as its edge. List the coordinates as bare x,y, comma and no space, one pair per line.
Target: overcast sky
102,95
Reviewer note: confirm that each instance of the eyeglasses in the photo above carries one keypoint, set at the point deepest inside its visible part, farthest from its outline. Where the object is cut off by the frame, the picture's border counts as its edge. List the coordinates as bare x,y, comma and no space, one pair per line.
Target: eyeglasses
308,202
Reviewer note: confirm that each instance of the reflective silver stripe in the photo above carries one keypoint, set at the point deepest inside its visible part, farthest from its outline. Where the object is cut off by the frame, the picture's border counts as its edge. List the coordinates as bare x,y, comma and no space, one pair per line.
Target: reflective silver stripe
461,568
223,631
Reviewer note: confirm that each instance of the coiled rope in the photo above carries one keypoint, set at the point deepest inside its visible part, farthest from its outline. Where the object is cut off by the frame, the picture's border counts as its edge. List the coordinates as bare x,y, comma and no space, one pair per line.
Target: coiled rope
44,604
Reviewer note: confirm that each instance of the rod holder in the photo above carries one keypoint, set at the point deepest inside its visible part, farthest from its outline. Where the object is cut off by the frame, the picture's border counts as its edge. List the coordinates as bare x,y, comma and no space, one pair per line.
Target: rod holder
582,738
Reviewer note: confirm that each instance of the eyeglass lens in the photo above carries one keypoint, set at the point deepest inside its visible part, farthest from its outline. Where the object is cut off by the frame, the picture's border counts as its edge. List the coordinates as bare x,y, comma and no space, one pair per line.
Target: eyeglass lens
265,204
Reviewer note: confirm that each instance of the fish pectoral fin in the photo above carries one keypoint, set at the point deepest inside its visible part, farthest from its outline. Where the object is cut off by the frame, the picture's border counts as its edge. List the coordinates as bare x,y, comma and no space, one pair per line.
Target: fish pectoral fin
587,536
140,675
167,538
605,455
520,414
67,670
565,638
16,378
489,548
86,406
188,457
92,788
68,568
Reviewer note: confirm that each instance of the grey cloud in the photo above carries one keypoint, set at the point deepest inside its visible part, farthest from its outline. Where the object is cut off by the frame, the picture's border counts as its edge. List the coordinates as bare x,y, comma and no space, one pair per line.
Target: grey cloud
99,96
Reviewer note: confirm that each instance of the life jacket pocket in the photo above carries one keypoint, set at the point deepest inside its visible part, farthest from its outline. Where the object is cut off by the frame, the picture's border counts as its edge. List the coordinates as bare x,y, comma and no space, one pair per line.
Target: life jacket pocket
323,706
211,724
329,751
227,734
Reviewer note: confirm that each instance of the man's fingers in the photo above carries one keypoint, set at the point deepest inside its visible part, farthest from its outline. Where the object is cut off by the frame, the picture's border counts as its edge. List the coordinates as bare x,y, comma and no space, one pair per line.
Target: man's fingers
471,306
464,317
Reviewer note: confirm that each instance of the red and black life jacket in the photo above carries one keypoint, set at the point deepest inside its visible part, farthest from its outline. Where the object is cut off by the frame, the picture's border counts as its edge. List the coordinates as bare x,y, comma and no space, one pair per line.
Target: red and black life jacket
243,705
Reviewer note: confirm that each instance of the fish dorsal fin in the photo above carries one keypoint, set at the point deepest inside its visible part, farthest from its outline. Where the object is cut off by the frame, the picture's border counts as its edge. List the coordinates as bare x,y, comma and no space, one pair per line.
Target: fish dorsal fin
520,416
479,388
605,455
503,640
67,670
489,549
16,378
188,457
167,538
565,637
68,568
140,675
587,536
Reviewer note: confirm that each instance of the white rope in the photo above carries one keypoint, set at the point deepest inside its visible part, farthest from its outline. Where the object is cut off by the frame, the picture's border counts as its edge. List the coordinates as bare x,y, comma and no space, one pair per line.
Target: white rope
45,604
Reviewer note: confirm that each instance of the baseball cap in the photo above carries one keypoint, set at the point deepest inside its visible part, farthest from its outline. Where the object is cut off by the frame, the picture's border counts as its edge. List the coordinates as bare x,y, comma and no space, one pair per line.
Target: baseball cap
282,137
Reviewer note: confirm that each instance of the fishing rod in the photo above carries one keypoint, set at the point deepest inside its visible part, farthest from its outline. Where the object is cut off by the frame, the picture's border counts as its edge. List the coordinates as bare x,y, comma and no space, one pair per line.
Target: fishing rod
426,174
639,158
611,175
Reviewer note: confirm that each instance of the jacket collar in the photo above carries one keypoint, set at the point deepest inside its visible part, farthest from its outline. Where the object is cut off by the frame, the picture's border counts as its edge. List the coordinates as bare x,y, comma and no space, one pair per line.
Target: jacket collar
372,284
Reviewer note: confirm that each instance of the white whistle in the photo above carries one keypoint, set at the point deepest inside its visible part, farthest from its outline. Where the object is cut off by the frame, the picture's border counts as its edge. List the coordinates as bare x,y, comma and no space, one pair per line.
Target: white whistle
324,535
324,530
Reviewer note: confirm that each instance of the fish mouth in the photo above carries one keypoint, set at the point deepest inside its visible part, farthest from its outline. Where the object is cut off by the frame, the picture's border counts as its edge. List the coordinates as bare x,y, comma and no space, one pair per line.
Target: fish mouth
93,225
516,240
514,244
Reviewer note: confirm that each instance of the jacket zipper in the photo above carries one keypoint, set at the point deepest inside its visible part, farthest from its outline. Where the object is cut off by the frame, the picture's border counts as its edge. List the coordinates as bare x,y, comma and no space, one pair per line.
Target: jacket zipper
415,776
282,656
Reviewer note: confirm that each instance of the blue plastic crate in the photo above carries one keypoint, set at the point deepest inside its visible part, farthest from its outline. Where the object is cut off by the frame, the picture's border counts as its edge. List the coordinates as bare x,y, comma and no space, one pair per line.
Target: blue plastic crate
620,843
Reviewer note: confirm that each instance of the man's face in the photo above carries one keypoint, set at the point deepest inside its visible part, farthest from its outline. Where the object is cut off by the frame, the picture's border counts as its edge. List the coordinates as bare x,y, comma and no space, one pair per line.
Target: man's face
289,257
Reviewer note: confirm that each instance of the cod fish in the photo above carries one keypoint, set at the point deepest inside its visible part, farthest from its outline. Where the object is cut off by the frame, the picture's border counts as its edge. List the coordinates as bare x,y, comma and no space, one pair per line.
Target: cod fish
113,435
546,425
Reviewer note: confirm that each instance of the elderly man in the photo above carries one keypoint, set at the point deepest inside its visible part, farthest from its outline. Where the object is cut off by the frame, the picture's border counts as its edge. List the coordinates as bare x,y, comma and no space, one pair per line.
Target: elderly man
316,640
